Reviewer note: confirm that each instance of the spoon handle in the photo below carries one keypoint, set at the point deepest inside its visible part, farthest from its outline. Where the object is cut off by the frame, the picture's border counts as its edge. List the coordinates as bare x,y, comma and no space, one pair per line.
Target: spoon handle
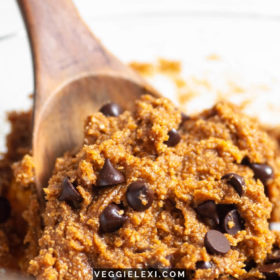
62,45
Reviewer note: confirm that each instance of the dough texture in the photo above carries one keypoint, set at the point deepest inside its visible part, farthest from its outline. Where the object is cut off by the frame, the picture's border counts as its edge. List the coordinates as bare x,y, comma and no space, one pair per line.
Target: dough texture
93,220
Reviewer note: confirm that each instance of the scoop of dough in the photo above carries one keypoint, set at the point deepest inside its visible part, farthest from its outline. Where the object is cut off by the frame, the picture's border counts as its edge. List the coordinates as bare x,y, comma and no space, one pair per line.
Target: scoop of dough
152,189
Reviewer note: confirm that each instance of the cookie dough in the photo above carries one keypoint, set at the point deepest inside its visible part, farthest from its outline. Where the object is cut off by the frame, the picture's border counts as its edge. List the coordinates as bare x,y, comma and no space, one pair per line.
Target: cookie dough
15,193
153,188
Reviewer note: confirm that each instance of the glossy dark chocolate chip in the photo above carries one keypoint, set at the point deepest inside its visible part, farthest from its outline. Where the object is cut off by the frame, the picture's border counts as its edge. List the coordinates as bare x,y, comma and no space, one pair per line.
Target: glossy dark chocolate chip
69,193
111,110
174,138
111,219
269,270
216,243
139,196
235,181
208,209
246,161
223,209
232,222
203,265
109,175
249,265
264,172
5,209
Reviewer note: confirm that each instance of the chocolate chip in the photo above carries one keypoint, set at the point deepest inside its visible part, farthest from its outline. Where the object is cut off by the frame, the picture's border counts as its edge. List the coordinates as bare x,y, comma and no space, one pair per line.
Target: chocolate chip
111,219
69,194
223,209
203,265
225,212
208,209
249,265
232,222
174,138
139,196
235,181
269,270
264,172
216,243
246,161
109,175
111,110
5,209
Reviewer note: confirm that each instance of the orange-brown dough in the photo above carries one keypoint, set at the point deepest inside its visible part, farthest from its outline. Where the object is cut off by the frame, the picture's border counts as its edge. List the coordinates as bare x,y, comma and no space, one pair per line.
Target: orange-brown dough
18,190
148,189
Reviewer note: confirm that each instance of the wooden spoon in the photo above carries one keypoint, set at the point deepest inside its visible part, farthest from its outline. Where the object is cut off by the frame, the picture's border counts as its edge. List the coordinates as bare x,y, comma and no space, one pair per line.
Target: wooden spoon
74,76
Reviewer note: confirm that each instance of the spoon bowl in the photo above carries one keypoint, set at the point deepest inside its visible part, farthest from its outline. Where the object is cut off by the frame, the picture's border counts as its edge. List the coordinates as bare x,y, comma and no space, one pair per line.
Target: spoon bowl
66,114
74,76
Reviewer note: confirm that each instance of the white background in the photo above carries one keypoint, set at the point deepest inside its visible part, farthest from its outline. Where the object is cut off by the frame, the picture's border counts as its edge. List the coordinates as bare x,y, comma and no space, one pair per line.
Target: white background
245,33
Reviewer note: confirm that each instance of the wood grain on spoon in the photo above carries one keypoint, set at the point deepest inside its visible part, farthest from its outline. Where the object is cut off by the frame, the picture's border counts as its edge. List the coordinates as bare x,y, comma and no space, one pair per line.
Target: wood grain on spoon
74,76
